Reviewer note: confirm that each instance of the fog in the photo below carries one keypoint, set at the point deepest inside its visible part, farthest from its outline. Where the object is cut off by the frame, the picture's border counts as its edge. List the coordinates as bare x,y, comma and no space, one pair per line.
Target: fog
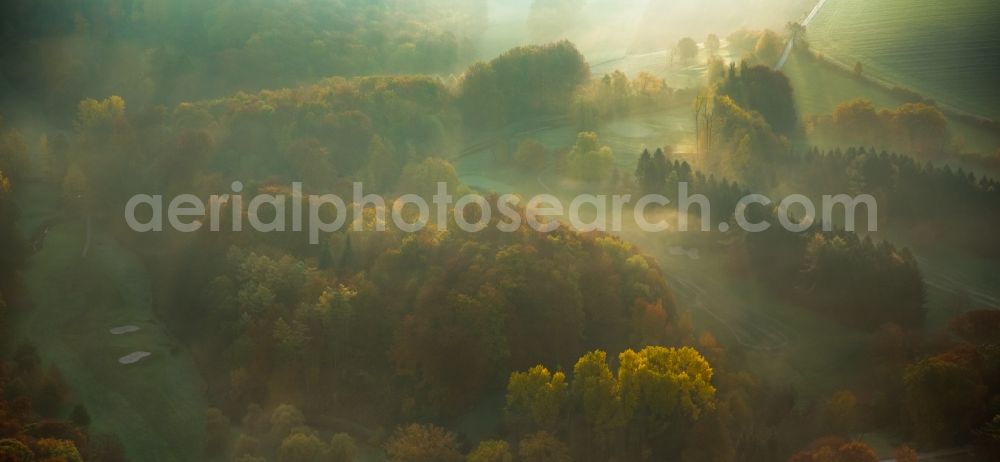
608,29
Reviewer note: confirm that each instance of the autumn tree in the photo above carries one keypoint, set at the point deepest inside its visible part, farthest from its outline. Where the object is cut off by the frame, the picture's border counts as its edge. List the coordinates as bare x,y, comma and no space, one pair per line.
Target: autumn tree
942,398
536,397
595,390
905,453
423,443
491,451
301,447
660,387
543,447
217,428
841,412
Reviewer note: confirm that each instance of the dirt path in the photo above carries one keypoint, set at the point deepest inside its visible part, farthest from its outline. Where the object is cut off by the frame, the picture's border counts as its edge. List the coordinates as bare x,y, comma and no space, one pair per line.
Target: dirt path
791,42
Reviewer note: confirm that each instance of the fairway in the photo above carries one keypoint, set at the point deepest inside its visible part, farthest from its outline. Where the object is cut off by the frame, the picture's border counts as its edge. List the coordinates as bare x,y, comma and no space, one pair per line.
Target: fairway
948,51
154,405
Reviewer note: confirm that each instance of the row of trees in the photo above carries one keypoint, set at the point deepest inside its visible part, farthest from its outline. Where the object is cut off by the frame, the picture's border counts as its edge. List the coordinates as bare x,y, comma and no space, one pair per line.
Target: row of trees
524,83
615,95
643,407
905,189
854,280
62,50
915,128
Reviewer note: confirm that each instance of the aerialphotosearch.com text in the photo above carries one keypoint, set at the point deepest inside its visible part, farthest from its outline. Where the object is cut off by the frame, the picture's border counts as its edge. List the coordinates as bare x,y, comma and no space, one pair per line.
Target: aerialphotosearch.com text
328,213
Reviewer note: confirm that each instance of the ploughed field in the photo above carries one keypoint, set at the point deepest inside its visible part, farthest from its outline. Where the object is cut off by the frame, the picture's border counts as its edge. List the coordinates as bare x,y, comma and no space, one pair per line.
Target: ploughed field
948,51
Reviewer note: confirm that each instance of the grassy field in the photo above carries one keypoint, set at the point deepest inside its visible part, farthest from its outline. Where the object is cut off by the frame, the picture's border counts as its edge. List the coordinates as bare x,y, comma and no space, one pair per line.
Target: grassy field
949,51
154,406
819,89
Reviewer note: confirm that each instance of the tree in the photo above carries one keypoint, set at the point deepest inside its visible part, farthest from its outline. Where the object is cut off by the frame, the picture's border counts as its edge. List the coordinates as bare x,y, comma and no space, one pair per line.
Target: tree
423,443
310,162
54,449
536,396
645,173
284,419
924,127
856,123
978,327
941,399
765,91
522,82
302,447
712,44
543,447
530,155
594,388
14,159
768,48
856,451
343,448
905,453
216,432
422,178
687,49
662,385
383,166
841,412
15,451
491,451
836,450
79,416
589,161
709,440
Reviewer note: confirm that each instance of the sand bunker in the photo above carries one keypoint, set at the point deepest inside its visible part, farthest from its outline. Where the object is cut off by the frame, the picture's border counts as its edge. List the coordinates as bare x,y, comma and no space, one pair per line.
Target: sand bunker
133,357
691,253
123,329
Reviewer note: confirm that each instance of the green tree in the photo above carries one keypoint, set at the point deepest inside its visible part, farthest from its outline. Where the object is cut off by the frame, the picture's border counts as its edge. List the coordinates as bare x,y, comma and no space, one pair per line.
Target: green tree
422,178
343,448
284,419
491,451
302,447
768,48
589,161
687,49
